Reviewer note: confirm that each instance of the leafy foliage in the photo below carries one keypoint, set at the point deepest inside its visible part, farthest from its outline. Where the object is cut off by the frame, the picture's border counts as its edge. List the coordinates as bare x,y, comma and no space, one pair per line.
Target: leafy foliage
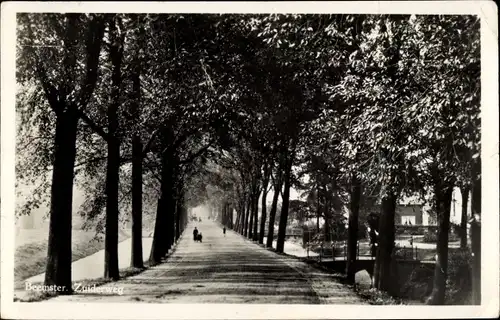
234,99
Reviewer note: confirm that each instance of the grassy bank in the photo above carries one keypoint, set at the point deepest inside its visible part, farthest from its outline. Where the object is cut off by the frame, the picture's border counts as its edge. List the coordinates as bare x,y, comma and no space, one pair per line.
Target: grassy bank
30,258
21,295
34,296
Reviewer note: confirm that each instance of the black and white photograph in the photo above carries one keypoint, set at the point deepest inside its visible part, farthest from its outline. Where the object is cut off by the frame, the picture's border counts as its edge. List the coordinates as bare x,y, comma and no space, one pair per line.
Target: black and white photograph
236,157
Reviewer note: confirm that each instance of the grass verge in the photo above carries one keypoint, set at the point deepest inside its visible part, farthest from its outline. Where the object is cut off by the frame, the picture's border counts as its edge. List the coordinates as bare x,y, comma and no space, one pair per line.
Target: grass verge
376,297
30,259
34,296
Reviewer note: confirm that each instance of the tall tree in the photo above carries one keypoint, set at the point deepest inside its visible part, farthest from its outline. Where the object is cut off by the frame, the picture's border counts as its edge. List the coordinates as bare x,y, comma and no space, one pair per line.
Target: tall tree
265,182
116,46
45,62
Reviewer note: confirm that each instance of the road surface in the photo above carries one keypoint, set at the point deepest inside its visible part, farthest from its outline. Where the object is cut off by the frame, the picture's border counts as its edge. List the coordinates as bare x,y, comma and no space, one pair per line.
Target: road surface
228,269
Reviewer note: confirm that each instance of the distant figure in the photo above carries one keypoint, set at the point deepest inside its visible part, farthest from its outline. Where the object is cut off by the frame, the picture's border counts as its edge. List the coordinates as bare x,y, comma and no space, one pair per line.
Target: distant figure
195,233
224,231
198,237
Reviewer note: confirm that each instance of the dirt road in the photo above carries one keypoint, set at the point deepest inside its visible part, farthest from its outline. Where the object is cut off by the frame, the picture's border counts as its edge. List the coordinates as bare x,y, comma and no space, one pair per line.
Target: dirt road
225,269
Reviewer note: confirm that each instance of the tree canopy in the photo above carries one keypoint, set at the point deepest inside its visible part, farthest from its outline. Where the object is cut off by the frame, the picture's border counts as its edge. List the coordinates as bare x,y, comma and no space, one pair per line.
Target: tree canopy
222,107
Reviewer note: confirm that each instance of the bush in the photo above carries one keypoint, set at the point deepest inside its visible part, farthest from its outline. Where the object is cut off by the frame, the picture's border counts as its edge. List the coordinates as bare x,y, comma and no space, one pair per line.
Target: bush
362,231
376,297
430,237
402,253
459,282
419,283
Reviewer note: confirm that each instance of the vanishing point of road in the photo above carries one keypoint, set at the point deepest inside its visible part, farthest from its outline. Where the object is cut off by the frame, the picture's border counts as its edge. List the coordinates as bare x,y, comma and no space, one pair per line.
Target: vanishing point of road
226,269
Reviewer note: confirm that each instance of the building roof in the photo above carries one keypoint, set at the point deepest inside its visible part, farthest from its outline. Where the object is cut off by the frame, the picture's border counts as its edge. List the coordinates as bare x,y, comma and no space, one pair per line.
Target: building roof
411,200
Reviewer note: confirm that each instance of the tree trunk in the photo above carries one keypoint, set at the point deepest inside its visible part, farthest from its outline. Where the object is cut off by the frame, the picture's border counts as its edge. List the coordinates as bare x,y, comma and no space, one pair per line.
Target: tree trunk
224,218
352,236
318,210
231,216
241,220
59,256
58,270
172,197
137,157
237,224
168,228
252,213
280,244
384,277
476,236
327,236
111,269
463,221
442,198
263,216
178,214
256,217
162,232
136,259
326,230
272,213
226,215
241,215
238,217
247,216
159,234
183,219
171,211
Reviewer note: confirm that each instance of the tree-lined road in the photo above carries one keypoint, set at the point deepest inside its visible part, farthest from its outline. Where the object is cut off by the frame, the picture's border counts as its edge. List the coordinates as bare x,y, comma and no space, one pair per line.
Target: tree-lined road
155,115
227,269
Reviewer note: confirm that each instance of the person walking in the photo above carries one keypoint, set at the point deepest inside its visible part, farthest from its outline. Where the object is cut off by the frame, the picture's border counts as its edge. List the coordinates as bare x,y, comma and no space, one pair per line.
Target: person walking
224,231
195,233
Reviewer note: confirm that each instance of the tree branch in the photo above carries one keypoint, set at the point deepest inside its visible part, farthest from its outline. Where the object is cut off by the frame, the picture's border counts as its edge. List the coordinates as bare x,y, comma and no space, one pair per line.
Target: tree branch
93,47
193,156
90,161
48,88
97,129
155,174
147,147
123,160
182,138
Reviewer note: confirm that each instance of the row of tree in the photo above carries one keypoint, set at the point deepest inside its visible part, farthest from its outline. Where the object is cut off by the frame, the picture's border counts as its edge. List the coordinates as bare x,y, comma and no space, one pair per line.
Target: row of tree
185,109
92,110
371,108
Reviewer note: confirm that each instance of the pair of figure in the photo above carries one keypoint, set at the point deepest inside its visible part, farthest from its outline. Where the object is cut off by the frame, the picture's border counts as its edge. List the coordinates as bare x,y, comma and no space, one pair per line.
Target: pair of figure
197,236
